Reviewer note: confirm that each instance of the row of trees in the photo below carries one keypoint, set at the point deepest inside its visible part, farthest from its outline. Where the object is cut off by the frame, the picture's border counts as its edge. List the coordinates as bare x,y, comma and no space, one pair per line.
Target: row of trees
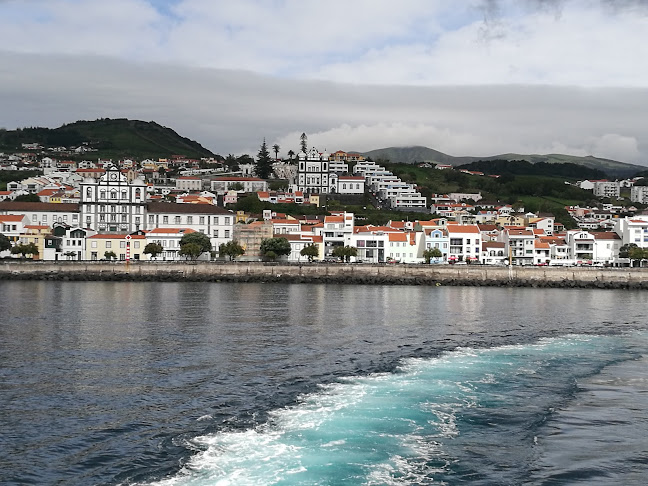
263,164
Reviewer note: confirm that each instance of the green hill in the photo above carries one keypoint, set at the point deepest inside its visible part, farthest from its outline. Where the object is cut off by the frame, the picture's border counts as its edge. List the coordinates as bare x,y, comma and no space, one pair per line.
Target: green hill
412,155
113,138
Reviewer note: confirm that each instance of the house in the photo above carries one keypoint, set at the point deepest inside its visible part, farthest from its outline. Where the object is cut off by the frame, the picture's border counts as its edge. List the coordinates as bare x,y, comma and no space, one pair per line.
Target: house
123,245
189,183
34,233
520,244
72,245
437,238
336,231
40,213
347,184
494,253
222,185
250,236
13,225
465,243
580,244
169,240
630,230
606,246
214,221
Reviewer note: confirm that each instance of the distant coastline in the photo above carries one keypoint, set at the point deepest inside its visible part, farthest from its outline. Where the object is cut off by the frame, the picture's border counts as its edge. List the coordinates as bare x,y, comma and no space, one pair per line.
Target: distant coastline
362,274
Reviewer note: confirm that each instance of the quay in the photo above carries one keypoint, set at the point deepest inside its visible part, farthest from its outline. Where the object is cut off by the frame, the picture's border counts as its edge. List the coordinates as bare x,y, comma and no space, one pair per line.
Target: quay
338,273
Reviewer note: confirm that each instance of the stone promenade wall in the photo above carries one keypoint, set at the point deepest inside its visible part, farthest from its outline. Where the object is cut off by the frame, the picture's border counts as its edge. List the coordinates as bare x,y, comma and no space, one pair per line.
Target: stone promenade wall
330,273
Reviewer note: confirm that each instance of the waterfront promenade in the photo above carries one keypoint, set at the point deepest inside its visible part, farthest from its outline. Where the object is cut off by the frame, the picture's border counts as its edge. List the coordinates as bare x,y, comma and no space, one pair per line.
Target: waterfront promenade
470,275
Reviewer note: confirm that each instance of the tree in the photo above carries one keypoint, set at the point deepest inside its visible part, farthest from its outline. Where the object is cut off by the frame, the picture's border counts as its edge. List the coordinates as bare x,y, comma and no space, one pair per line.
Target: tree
199,244
432,253
311,251
303,143
231,162
153,249
624,251
5,244
110,255
291,154
264,162
191,250
275,149
344,253
25,249
231,249
637,253
28,198
272,248
237,186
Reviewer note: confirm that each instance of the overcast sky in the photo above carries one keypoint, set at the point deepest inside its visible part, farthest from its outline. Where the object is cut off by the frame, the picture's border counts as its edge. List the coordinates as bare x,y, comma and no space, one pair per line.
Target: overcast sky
466,77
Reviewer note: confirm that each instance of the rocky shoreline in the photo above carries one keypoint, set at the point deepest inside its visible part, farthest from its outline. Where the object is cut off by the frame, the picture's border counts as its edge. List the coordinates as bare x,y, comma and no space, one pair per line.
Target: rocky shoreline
350,274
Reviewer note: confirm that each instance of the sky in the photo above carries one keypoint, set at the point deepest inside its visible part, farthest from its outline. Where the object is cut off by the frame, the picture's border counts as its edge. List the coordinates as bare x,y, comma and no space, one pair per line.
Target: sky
471,77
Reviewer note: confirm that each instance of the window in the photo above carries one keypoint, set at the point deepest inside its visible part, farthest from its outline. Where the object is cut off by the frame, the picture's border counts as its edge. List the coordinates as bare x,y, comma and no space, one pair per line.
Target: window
176,220
227,233
122,244
44,218
227,220
151,219
113,194
103,194
201,220
215,233
108,244
165,219
138,193
189,219
123,195
136,245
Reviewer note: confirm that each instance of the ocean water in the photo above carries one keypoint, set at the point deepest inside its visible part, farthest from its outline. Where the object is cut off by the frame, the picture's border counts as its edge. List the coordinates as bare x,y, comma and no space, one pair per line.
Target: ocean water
253,384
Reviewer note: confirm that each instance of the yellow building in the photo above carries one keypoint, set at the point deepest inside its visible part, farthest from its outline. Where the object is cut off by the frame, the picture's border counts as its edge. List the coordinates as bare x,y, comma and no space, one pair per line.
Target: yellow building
122,245
35,234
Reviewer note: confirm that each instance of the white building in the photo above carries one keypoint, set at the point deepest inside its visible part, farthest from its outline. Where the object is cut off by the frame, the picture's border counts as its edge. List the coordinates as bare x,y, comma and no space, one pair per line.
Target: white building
111,204
313,172
630,230
606,188
189,183
465,242
221,185
347,184
214,221
169,240
639,194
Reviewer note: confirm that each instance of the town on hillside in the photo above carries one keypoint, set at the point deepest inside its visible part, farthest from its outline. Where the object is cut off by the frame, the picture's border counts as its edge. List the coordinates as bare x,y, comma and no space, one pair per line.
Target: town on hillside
177,208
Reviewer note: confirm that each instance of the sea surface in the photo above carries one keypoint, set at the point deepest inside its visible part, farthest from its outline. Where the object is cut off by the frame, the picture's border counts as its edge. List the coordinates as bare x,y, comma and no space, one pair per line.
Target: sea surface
117,383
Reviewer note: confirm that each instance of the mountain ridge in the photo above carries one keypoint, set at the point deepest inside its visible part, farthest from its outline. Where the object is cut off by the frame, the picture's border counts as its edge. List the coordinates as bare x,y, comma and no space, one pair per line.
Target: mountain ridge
419,154
118,137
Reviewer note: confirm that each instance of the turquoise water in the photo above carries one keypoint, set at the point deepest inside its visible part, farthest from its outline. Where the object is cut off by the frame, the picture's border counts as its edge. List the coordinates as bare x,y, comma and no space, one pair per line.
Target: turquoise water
105,383
505,415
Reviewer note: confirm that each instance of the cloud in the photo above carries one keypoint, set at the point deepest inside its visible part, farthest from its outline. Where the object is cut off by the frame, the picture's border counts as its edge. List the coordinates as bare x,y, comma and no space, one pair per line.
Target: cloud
550,76
412,42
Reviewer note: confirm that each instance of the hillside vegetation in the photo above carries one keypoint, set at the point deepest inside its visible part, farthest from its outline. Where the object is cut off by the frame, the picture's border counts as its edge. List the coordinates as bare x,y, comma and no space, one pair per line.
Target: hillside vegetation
418,154
113,138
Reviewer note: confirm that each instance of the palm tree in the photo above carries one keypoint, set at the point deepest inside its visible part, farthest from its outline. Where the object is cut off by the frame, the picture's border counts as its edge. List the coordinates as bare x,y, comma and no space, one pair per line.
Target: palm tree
291,154
275,148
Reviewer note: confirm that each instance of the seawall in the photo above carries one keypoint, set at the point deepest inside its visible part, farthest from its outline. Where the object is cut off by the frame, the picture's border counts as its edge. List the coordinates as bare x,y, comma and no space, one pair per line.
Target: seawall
460,275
